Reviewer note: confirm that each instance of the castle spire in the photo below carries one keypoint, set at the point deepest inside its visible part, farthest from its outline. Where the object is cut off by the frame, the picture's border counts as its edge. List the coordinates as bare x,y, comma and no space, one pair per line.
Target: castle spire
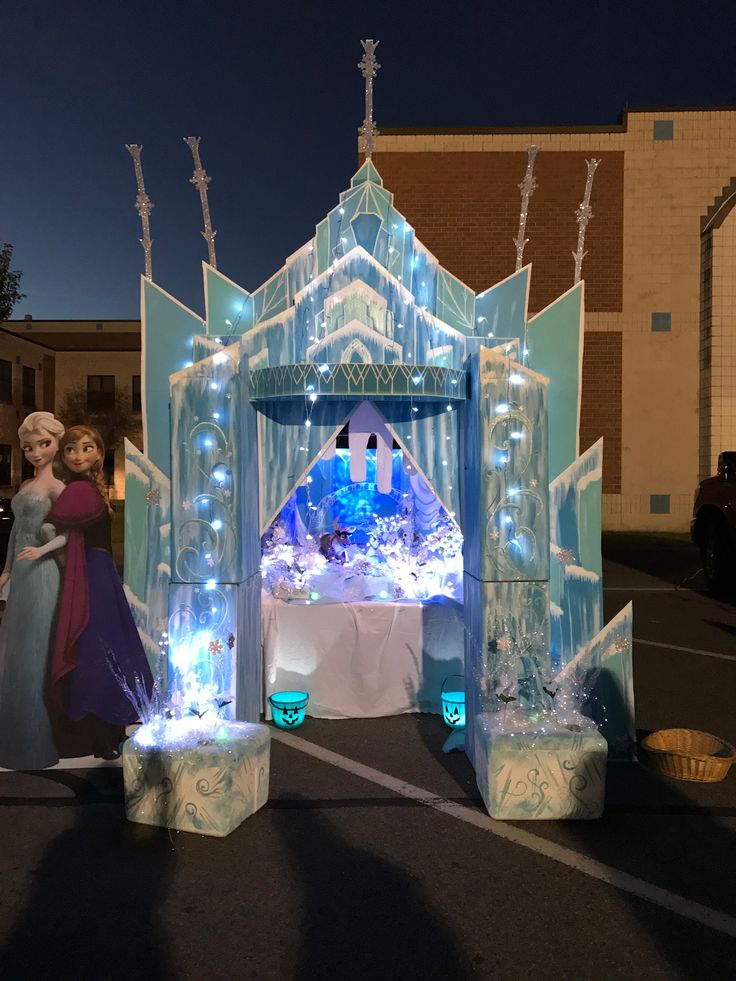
143,205
200,181
583,214
369,69
527,187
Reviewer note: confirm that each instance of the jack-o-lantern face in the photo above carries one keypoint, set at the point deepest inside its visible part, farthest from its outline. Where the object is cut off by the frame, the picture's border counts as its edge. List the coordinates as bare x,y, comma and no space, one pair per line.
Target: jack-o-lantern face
452,715
290,717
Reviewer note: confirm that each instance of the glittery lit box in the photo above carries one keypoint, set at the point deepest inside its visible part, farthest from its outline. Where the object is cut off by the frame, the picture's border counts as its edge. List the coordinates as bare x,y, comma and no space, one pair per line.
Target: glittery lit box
540,776
185,775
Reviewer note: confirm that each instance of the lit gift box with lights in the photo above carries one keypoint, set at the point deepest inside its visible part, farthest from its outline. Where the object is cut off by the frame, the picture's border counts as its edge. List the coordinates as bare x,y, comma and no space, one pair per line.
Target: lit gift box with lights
540,769
196,776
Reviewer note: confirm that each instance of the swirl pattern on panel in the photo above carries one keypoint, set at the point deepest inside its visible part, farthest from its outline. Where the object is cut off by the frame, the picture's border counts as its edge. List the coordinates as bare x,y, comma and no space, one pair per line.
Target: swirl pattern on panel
207,538
516,501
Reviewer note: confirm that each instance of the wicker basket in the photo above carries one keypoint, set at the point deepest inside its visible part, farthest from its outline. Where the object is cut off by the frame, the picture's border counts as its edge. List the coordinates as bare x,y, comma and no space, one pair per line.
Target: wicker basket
687,754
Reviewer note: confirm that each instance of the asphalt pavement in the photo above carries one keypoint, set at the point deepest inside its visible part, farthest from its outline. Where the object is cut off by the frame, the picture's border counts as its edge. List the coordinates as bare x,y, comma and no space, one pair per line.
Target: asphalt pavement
374,856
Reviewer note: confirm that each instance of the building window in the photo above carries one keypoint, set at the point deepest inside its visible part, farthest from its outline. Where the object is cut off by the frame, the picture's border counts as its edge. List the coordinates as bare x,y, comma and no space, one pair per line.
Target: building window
28,391
100,393
659,503
135,402
661,321
6,381
664,129
108,467
5,460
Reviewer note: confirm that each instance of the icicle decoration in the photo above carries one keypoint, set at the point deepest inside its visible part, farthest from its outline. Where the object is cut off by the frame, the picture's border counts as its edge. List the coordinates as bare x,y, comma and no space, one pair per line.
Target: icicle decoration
369,69
200,181
583,215
364,422
143,205
527,187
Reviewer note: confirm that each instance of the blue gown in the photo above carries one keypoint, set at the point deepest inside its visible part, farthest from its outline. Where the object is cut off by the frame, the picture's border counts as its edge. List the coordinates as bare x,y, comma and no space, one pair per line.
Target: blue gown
26,635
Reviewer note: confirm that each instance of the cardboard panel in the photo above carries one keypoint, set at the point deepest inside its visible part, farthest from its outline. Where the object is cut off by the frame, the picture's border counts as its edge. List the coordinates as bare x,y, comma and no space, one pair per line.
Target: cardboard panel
555,342
505,497
214,484
147,549
603,673
167,332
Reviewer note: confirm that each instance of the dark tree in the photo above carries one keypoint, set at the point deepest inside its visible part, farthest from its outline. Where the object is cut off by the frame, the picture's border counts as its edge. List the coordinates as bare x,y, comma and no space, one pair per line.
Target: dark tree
10,293
112,424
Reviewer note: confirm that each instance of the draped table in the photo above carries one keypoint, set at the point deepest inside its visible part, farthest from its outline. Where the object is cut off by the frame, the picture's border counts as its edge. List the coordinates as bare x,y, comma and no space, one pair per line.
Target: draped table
362,659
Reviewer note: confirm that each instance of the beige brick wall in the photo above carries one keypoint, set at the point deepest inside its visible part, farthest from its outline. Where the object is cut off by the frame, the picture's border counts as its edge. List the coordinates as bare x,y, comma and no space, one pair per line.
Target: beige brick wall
668,186
20,353
72,369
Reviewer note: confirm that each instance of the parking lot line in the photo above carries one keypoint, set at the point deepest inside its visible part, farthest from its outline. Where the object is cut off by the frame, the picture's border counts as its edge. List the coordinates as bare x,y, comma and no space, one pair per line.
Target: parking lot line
671,901
642,589
684,650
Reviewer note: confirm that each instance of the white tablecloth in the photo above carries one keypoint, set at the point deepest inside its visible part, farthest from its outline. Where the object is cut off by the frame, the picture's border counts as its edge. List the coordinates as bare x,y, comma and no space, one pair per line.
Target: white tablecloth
361,660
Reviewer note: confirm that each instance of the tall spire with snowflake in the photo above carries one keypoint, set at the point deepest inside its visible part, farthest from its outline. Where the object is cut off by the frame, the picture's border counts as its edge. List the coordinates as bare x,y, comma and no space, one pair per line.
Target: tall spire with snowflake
369,69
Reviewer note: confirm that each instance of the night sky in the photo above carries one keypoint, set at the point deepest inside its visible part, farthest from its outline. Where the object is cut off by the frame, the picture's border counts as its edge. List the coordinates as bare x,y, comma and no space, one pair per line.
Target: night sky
274,92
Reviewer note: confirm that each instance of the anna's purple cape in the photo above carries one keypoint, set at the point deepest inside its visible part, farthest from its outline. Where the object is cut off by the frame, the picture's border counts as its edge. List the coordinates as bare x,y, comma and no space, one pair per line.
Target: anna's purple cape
78,506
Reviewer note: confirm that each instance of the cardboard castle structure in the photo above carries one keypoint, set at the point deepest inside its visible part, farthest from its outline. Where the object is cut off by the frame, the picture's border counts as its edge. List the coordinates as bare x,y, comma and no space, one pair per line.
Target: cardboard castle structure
482,406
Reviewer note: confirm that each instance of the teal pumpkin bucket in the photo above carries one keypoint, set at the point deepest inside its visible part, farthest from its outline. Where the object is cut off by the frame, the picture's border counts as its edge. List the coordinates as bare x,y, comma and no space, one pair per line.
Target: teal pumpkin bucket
453,701
288,708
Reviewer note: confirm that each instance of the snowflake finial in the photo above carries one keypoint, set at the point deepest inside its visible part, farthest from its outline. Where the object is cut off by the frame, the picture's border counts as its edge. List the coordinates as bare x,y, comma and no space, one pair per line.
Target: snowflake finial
369,69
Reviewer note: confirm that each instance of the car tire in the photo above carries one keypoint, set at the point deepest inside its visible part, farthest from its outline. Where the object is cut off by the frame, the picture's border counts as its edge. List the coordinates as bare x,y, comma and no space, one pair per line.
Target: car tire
719,559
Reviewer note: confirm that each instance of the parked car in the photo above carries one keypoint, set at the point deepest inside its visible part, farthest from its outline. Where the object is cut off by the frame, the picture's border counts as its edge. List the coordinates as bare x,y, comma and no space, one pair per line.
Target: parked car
6,523
713,526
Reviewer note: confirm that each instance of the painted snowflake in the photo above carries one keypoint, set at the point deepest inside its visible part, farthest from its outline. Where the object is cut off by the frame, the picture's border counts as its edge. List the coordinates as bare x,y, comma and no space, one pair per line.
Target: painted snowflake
566,556
215,647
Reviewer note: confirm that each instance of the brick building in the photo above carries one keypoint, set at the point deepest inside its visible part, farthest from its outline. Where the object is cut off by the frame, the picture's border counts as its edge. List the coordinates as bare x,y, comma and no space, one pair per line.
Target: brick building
660,275
42,360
